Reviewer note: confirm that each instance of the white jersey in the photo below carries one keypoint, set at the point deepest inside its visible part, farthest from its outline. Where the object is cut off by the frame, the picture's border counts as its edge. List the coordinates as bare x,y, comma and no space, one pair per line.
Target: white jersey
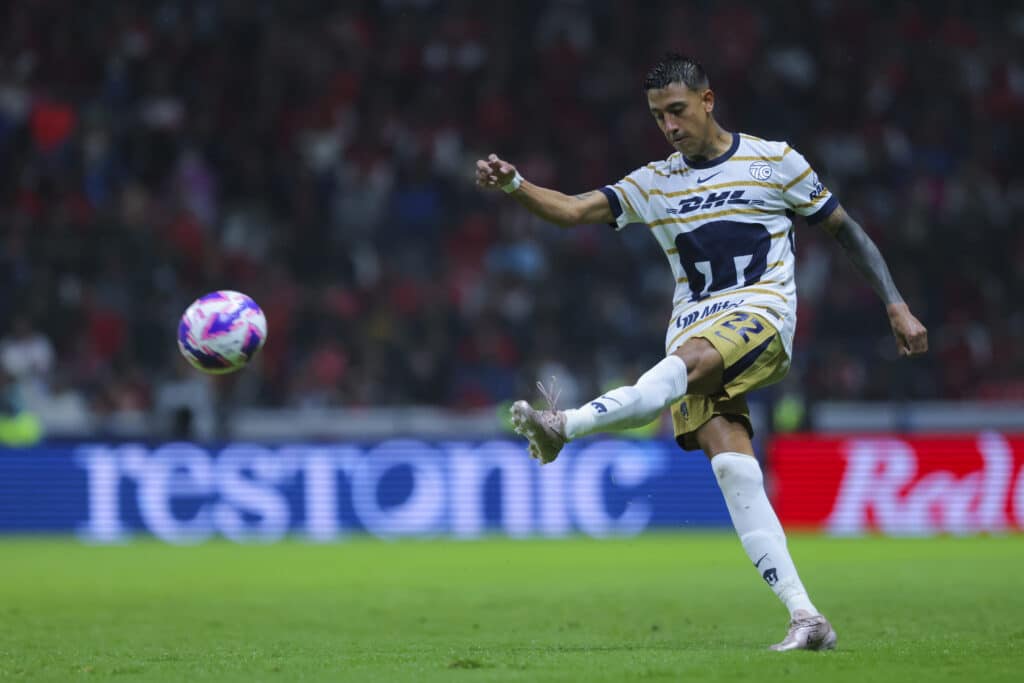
725,227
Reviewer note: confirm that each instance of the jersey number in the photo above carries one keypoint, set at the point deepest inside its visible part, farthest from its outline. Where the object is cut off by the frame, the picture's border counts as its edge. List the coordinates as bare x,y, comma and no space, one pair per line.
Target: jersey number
723,254
741,323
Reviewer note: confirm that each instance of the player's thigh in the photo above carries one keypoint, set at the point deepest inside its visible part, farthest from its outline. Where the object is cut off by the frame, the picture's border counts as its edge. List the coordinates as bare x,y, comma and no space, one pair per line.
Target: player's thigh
724,434
704,366
751,351
740,352
751,356
712,423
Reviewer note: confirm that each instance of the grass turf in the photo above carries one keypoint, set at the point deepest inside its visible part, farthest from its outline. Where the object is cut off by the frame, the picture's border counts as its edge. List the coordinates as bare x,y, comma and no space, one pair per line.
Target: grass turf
654,608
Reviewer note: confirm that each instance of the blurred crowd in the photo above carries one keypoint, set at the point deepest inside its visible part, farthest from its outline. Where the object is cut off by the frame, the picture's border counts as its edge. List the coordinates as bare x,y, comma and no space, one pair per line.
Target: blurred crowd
319,157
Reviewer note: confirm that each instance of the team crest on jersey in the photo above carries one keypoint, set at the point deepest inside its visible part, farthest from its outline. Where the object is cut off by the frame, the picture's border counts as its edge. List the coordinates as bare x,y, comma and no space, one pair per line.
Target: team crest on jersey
760,170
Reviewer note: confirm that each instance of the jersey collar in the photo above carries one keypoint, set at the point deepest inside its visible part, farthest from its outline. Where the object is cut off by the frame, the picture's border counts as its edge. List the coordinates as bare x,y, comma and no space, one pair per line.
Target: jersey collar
719,159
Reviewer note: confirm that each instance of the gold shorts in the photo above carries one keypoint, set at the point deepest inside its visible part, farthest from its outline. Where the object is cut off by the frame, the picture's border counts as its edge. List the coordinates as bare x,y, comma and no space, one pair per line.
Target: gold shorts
754,357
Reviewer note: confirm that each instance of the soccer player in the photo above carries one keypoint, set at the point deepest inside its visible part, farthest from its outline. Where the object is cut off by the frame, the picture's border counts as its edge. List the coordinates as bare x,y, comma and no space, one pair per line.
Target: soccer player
720,209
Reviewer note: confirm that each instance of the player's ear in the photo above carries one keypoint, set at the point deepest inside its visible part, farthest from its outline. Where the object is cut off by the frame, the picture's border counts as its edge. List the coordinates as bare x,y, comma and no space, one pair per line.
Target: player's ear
707,98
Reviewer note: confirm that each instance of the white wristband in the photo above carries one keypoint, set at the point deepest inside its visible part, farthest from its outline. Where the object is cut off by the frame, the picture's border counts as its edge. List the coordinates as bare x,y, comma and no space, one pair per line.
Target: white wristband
512,185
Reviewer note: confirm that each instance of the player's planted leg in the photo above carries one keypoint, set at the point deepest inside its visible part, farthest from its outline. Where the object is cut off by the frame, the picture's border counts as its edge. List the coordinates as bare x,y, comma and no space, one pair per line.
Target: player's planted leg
739,476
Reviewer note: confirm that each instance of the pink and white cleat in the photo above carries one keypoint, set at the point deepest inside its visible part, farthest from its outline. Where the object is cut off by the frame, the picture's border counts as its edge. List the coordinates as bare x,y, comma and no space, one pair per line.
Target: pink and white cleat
808,633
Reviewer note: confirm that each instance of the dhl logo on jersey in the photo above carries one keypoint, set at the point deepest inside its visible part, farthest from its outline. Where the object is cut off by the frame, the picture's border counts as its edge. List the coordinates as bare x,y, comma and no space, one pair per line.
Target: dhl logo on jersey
714,200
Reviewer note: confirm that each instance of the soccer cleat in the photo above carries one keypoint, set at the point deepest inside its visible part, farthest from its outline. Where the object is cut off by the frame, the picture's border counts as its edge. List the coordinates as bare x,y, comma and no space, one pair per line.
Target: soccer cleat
808,633
544,429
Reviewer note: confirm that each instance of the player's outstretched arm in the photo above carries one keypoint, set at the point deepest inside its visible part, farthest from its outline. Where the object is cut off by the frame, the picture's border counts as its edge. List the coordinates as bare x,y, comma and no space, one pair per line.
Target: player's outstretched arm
551,205
911,335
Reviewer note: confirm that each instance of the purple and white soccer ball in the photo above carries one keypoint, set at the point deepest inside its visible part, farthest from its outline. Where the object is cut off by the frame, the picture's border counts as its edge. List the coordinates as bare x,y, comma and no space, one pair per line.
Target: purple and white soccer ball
221,332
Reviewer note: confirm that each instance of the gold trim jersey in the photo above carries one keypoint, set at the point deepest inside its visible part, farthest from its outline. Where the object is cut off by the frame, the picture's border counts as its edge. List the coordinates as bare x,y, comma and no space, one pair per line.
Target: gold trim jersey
724,225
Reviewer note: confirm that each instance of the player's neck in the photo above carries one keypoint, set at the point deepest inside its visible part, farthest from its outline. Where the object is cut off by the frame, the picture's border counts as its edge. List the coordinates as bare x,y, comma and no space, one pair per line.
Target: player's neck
717,144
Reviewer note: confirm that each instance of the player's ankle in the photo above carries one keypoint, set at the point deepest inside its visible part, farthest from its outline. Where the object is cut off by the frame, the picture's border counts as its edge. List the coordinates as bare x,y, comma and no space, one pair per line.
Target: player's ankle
576,422
803,613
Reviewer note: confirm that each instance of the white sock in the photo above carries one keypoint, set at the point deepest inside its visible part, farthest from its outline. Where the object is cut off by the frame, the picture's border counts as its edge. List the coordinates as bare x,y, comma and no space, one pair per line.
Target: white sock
632,406
739,477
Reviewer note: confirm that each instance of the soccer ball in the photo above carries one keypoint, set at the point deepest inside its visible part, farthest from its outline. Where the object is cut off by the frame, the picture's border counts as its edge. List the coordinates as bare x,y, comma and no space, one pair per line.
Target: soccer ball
221,332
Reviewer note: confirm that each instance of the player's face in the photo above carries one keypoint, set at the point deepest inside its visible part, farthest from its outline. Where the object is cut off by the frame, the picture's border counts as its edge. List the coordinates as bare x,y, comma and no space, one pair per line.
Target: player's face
683,115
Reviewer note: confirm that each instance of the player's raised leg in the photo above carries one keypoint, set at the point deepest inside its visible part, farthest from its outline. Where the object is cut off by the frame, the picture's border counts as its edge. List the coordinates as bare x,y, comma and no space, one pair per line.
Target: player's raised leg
739,476
696,365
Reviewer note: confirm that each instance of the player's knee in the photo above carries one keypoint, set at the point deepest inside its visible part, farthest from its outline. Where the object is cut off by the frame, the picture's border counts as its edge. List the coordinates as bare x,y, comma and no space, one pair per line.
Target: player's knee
704,366
737,470
725,434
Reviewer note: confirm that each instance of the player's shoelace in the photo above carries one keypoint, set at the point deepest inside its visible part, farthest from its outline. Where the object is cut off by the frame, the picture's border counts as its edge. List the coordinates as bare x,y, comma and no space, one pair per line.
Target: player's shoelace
550,393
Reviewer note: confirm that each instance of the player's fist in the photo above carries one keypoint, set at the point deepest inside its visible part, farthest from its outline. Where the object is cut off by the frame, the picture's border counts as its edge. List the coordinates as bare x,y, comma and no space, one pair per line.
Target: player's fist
492,173
911,335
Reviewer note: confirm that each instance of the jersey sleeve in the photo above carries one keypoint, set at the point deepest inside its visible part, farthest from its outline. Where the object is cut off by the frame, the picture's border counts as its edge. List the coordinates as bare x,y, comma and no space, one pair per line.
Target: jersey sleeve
628,198
802,191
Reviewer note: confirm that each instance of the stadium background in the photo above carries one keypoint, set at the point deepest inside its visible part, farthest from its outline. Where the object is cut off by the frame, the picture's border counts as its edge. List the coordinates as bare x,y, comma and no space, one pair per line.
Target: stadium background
319,157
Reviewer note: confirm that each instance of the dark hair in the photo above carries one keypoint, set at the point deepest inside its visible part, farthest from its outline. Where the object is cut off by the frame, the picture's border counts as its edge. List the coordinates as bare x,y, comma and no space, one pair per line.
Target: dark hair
676,68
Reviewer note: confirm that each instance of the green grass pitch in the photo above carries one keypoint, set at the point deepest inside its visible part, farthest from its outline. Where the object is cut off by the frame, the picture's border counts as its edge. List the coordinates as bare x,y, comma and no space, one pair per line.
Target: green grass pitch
685,607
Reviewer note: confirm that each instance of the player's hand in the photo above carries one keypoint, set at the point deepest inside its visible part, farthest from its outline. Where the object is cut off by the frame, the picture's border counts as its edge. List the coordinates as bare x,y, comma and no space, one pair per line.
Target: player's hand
911,335
493,172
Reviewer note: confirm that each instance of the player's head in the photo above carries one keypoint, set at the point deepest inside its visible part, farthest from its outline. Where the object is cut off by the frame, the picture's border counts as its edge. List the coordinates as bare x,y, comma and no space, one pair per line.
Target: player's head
681,101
